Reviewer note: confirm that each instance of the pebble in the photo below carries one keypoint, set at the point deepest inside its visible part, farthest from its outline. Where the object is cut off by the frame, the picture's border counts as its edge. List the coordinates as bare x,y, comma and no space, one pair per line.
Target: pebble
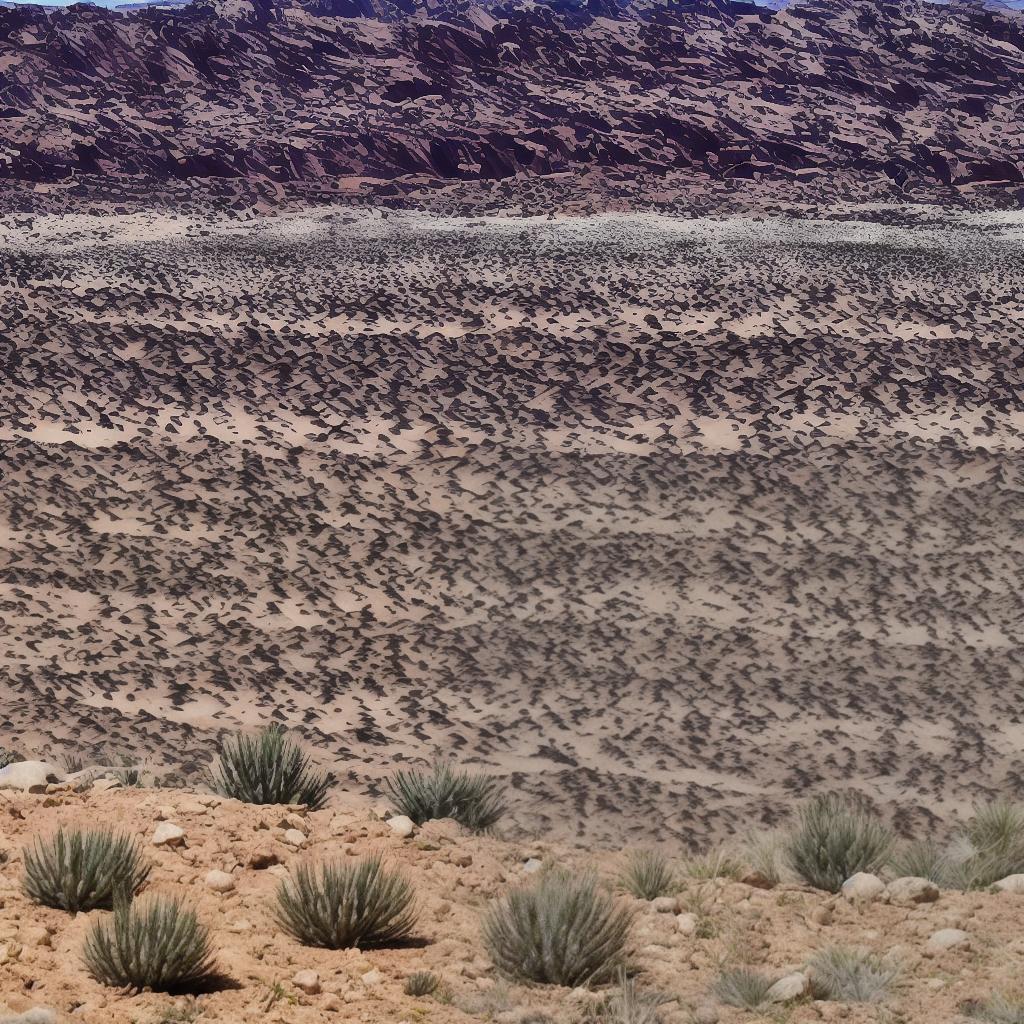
168,834
219,881
401,826
307,981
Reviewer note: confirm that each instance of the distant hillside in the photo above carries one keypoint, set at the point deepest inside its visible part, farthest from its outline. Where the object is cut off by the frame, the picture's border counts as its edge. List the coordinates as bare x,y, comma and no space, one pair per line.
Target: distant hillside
911,93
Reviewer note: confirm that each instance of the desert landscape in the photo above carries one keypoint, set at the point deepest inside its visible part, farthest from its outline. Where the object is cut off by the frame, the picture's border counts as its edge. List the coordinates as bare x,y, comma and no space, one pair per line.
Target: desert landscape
620,401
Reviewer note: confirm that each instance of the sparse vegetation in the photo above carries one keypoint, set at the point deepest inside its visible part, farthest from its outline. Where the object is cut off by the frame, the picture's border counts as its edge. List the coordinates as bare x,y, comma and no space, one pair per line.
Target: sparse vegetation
648,875
83,870
765,853
743,986
475,801
338,905
997,1009
835,838
996,837
715,864
628,1004
852,975
269,768
561,929
922,858
422,983
155,943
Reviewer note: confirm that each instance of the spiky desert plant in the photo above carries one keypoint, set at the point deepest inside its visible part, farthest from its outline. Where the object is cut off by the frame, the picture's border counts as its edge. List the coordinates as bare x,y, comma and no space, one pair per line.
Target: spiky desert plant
560,929
743,986
997,1009
628,1004
474,800
269,768
648,875
156,943
852,975
835,837
340,905
921,858
996,836
83,870
422,983
714,864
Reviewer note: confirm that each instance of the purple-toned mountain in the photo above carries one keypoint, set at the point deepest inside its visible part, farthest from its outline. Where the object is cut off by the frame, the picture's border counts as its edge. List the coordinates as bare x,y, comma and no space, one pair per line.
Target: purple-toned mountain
910,93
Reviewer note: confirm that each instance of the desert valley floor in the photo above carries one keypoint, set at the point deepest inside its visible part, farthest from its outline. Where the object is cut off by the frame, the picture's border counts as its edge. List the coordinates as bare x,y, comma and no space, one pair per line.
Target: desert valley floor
669,520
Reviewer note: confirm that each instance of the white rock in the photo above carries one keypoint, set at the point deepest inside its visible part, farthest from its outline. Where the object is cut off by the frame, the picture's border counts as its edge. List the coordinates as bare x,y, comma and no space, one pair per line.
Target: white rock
705,1014
37,1015
790,986
105,785
372,978
686,924
401,826
168,834
532,866
293,837
1011,883
910,890
307,981
665,905
219,881
947,938
863,886
29,775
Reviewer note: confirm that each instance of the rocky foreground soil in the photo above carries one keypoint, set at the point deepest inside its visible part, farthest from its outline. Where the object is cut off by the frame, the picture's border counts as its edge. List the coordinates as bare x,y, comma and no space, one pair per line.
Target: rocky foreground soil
228,858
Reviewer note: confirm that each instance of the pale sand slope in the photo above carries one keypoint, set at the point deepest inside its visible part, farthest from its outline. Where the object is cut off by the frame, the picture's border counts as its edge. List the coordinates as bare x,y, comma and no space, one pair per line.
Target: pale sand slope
669,521
456,877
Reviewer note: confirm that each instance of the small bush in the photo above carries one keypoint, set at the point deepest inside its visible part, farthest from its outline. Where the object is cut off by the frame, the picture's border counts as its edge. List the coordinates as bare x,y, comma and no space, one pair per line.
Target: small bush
648,875
81,870
269,769
764,852
922,858
716,864
996,1009
476,802
744,987
156,944
422,983
340,905
996,837
852,976
835,838
560,929
628,1004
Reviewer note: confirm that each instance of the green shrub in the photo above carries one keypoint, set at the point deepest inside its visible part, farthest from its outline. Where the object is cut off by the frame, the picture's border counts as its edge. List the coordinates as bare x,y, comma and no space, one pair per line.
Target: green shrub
475,801
340,905
269,769
561,929
422,983
83,870
852,976
744,987
996,837
923,858
835,838
628,1004
716,864
996,1009
648,875
156,943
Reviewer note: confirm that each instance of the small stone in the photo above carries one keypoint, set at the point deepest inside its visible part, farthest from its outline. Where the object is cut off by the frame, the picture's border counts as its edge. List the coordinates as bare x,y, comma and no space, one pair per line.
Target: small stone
1011,883
665,905
36,937
863,887
912,890
307,981
789,987
822,915
461,859
168,834
293,837
372,978
686,924
705,1014
401,826
757,880
104,785
9,952
532,866
947,938
219,881
240,926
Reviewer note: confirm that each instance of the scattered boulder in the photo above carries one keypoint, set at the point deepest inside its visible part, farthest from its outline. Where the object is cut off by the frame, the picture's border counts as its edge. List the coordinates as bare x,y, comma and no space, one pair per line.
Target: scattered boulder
863,887
1011,883
757,880
947,938
911,890
665,905
168,834
401,826
532,866
220,881
788,987
705,1014
686,924
293,837
307,981
372,978
30,776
